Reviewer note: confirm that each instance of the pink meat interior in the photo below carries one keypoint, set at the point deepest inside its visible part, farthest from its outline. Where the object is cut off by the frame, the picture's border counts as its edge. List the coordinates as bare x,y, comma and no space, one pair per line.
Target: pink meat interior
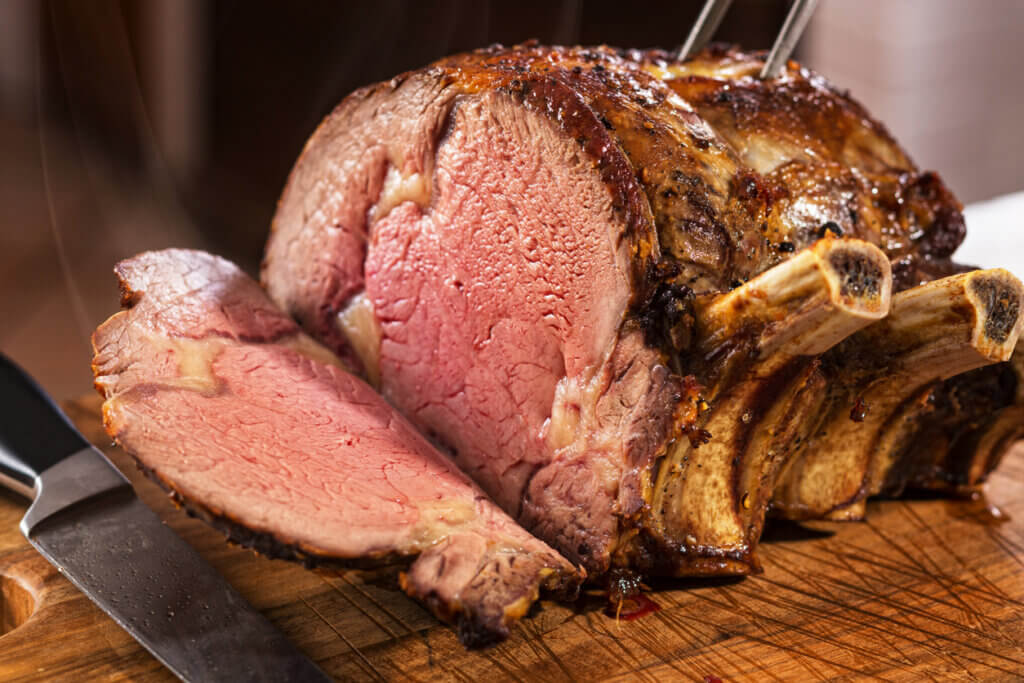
504,285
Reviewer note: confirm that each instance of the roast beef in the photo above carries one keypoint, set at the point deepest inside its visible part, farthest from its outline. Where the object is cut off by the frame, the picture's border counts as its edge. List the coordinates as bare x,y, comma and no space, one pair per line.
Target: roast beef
260,431
612,285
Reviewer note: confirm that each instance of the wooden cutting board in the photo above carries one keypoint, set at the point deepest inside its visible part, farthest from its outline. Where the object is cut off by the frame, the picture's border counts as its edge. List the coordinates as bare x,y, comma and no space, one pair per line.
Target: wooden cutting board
924,589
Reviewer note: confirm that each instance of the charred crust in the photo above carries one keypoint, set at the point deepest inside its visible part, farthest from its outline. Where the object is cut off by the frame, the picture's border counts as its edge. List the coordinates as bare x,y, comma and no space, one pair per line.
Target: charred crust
964,408
904,273
473,631
728,360
886,193
930,217
945,234
943,219
496,600
833,227
750,186
129,297
899,471
653,555
667,318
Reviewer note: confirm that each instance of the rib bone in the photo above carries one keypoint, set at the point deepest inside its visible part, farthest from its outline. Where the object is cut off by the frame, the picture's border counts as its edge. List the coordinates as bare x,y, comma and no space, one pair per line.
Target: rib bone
805,305
709,500
881,380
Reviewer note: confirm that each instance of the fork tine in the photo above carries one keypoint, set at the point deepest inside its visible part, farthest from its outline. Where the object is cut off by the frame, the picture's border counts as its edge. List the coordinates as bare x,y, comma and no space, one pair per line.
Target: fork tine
707,23
799,14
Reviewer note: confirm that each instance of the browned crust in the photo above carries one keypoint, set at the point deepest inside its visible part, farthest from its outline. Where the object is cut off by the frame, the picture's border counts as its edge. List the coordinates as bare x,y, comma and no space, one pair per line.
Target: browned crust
490,589
798,99
909,213
664,173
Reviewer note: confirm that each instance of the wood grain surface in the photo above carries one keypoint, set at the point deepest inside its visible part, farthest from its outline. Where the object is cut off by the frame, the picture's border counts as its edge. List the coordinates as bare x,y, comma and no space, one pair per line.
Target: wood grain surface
926,589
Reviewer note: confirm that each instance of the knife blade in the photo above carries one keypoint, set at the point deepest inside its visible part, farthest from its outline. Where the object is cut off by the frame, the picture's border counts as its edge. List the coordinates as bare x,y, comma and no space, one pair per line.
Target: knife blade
87,521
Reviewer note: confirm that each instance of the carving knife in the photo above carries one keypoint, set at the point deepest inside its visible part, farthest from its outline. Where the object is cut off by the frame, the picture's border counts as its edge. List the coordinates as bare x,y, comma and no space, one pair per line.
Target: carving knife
87,521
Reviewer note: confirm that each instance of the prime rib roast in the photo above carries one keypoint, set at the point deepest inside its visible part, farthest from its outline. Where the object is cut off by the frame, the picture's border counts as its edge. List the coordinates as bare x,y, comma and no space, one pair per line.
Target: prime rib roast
642,303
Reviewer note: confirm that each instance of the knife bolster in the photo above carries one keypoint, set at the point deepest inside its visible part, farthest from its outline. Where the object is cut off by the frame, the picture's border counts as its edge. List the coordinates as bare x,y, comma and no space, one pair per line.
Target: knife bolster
75,479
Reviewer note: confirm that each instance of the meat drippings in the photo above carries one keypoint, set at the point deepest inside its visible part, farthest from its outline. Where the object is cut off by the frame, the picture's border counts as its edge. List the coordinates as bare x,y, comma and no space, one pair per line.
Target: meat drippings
626,600
358,322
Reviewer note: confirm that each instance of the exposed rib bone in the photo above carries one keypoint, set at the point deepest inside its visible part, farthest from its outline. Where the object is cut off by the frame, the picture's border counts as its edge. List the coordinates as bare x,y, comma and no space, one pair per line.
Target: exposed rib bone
881,380
949,326
807,304
760,339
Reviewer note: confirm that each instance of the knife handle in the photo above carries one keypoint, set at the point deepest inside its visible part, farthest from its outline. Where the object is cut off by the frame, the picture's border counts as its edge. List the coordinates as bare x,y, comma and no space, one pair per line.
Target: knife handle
34,433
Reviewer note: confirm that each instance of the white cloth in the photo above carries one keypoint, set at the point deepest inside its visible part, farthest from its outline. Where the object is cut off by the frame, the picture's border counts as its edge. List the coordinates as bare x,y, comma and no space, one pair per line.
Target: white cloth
995,234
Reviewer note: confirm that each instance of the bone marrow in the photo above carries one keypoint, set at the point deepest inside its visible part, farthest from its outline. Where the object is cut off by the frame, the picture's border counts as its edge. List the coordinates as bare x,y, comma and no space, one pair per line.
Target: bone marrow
997,298
862,278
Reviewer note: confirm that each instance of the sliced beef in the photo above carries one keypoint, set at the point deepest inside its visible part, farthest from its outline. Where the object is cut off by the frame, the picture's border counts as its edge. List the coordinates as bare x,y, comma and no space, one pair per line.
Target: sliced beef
261,432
